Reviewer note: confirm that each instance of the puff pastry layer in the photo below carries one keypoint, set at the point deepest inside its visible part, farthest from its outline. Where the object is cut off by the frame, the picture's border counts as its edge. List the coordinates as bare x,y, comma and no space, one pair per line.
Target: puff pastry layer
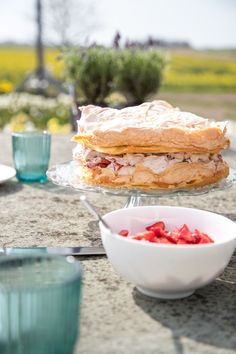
151,127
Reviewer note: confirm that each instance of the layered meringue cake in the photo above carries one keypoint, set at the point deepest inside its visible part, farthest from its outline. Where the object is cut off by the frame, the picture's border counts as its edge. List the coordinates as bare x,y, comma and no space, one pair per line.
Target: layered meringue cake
152,146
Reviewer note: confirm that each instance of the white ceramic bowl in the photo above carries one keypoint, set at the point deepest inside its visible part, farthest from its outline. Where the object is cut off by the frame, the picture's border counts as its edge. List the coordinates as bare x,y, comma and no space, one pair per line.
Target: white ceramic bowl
163,270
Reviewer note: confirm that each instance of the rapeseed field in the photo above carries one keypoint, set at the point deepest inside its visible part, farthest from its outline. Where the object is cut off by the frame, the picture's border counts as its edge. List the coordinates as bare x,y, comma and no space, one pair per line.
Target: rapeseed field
186,72
17,62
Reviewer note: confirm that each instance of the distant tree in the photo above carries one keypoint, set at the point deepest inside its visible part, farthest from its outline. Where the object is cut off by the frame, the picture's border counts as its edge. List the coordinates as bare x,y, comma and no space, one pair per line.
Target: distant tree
40,81
40,69
69,22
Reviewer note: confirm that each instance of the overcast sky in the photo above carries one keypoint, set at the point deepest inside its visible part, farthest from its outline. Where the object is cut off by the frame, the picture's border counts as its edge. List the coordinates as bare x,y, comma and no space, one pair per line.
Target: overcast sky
204,23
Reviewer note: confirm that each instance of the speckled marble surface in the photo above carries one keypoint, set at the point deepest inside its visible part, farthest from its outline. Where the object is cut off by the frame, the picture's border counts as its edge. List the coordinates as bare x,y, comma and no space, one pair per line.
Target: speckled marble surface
115,317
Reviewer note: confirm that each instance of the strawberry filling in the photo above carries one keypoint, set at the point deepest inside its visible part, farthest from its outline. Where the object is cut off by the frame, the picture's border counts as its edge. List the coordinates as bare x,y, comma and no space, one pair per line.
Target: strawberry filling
155,162
103,163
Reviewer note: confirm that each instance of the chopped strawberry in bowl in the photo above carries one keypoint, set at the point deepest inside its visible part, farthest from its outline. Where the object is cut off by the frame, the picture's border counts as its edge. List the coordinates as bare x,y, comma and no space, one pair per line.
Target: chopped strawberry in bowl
168,252
157,233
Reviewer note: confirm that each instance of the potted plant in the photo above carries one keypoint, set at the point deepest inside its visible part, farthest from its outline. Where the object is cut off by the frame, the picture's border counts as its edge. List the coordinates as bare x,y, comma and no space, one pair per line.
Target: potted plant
92,71
140,74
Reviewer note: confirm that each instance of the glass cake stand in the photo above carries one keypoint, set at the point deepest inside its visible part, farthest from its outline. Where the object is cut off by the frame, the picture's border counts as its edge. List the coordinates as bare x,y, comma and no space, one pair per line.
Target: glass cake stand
64,175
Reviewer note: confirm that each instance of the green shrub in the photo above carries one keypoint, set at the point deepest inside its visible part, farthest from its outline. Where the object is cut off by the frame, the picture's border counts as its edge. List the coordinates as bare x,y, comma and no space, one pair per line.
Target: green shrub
96,72
92,71
140,74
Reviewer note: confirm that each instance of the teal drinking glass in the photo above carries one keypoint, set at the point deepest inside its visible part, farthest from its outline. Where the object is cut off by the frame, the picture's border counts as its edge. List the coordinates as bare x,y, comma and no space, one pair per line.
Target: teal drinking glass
39,304
31,154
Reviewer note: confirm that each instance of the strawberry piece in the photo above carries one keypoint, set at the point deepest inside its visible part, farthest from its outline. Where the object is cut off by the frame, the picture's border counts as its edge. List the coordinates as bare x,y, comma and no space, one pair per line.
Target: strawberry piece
159,224
104,163
196,236
163,240
137,237
171,236
184,231
124,233
181,242
210,240
158,232
154,240
146,235
192,240
185,234
158,228
203,238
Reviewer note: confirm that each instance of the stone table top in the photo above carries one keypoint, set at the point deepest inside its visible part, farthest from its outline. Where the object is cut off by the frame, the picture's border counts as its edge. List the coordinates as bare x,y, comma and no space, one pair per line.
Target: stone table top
115,318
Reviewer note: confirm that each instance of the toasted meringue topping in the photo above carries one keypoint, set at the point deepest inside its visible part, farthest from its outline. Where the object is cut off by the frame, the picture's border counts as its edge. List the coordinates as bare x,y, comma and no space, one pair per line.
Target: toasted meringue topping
155,114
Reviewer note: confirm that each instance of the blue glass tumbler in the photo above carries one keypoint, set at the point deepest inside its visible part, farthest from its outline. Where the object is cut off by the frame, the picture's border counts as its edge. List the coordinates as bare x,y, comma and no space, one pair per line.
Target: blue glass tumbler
31,154
39,304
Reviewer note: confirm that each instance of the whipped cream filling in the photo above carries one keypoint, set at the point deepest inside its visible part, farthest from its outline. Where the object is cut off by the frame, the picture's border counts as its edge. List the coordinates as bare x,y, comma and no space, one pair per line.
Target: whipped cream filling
125,164
149,115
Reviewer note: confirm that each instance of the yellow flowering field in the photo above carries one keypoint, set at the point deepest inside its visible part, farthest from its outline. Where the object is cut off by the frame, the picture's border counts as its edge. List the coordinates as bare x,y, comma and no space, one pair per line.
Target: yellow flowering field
192,72
16,62
188,71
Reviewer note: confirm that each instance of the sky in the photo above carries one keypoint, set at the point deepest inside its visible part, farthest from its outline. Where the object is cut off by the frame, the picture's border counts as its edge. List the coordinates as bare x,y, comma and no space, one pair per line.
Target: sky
203,23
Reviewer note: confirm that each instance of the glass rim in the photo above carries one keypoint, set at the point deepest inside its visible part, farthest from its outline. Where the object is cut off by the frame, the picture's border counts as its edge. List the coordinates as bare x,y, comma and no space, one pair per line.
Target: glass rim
70,279
33,133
